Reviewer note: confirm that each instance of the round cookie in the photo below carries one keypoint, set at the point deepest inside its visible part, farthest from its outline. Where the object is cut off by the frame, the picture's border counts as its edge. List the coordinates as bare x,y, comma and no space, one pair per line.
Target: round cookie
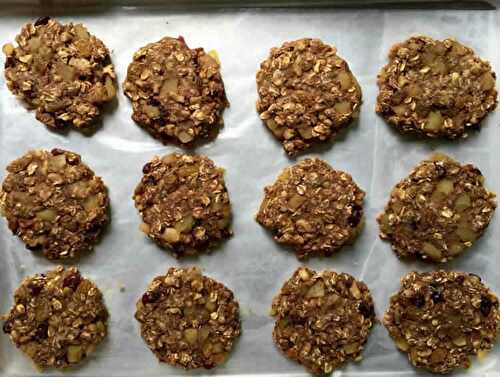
184,203
62,71
442,318
54,203
58,318
322,319
313,208
307,94
435,88
189,320
177,93
438,211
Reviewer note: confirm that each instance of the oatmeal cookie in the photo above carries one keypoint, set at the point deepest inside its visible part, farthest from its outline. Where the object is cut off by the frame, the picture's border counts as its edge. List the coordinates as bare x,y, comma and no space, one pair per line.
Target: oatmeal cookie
438,211
62,71
442,318
189,320
307,94
313,208
435,88
177,93
322,319
58,318
184,203
54,203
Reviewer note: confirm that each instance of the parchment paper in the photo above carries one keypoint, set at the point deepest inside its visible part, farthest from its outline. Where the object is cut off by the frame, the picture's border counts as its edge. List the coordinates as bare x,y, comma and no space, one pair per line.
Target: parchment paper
250,263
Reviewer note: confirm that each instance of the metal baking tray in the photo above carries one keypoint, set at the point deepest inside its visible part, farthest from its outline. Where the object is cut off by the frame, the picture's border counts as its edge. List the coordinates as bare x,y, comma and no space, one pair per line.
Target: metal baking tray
250,263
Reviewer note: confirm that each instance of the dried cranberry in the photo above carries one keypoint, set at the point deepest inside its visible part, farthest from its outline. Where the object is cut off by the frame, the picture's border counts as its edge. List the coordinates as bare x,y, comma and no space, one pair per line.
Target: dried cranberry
366,309
181,39
150,297
485,306
72,280
42,331
42,21
147,168
36,288
7,327
57,151
355,218
418,300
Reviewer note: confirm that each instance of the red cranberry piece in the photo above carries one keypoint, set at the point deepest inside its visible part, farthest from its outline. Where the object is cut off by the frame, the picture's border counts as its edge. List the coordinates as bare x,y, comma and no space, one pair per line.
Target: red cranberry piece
72,280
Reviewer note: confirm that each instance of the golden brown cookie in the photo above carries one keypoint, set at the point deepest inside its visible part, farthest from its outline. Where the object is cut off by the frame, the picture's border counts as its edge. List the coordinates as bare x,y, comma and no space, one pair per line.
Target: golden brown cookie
313,208
435,88
189,320
441,319
322,319
184,203
438,211
177,93
307,94
54,203
58,318
61,71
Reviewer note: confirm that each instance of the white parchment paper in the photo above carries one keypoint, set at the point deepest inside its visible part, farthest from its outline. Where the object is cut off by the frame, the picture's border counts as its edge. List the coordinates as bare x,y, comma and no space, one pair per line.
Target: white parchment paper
250,263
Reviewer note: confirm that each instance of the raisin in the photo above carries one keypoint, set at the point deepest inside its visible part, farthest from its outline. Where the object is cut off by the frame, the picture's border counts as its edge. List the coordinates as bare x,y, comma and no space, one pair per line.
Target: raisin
366,309
147,168
72,280
42,21
486,305
418,300
436,293
477,171
150,297
7,327
10,62
440,169
154,102
355,218
42,331
181,39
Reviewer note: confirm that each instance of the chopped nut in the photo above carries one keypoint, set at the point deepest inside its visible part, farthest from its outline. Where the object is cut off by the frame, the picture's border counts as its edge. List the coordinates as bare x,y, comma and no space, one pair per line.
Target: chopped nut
75,354
47,215
317,290
171,235
8,49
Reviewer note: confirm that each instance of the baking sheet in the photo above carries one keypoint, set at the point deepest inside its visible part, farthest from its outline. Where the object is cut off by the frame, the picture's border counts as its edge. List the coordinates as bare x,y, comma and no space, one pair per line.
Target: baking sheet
250,263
